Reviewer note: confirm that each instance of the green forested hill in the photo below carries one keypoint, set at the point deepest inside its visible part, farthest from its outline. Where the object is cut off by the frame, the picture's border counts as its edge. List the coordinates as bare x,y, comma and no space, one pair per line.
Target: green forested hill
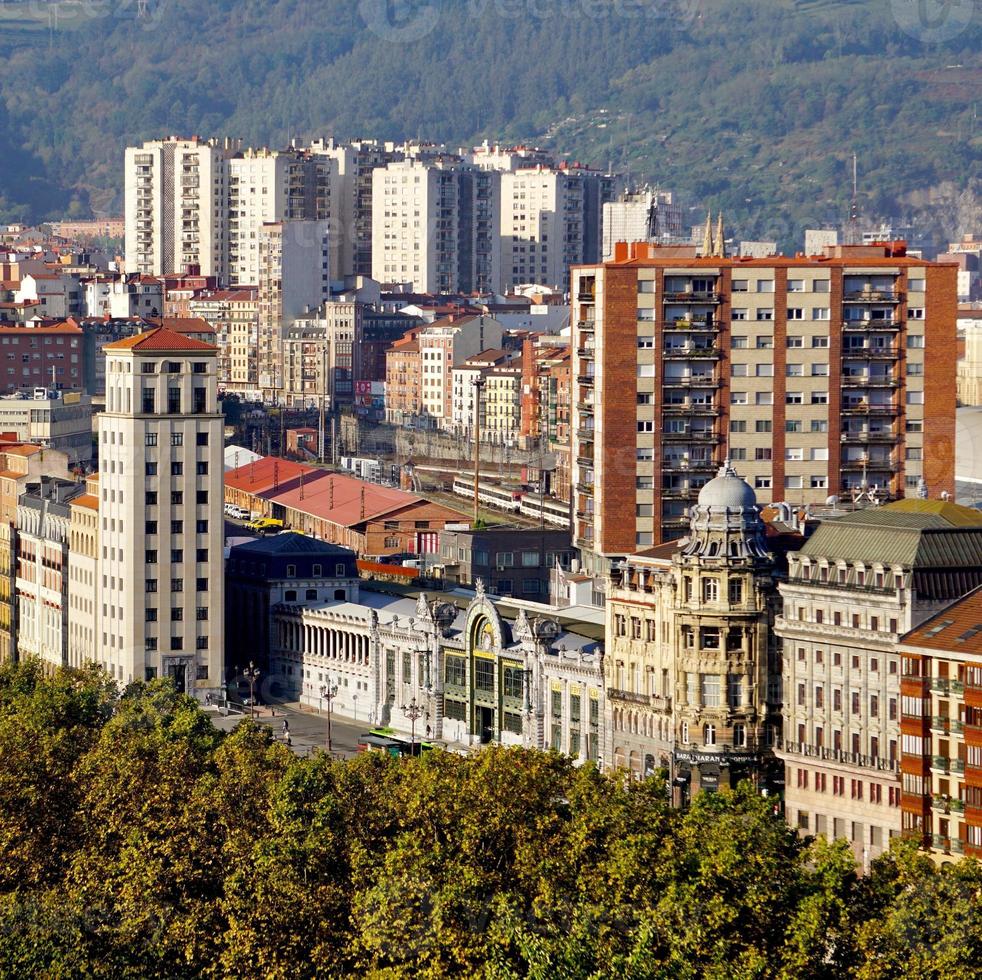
754,106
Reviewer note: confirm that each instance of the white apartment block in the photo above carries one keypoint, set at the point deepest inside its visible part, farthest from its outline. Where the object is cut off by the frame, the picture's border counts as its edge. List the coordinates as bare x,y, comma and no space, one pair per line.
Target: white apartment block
270,186
193,203
175,206
294,278
641,216
351,200
550,220
490,156
160,578
434,225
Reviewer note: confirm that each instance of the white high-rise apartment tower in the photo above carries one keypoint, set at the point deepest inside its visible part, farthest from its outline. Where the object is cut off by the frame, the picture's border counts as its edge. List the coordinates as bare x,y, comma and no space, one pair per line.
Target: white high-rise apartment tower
175,194
434,224
160,564
550,220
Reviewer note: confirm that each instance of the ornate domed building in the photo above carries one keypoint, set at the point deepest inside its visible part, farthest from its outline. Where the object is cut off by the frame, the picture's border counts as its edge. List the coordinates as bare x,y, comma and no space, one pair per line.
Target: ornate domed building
724,604
701,695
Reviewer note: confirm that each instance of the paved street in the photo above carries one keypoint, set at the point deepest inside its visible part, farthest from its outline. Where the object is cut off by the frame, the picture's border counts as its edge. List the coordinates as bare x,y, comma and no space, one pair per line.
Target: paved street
308,730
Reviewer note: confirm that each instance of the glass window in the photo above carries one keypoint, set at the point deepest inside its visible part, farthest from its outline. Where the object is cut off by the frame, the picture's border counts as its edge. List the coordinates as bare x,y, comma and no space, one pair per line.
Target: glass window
484,674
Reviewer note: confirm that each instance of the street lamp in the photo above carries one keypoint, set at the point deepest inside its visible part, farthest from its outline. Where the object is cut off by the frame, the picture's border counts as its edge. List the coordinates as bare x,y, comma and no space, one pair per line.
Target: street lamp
251,673
413,712
329,693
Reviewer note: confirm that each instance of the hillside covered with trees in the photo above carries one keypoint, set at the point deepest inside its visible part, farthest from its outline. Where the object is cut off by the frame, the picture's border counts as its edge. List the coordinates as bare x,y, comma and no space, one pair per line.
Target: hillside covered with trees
753,106
138,841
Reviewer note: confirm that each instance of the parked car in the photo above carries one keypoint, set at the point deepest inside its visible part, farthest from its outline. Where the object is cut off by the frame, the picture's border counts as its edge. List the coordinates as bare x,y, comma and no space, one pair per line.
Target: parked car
266,524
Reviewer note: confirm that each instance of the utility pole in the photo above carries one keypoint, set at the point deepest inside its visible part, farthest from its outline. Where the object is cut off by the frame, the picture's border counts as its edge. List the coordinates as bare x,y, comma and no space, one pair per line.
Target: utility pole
478,383
323,434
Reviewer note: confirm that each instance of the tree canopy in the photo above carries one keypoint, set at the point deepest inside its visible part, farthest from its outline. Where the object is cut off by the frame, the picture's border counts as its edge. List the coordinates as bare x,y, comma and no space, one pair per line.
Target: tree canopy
138,841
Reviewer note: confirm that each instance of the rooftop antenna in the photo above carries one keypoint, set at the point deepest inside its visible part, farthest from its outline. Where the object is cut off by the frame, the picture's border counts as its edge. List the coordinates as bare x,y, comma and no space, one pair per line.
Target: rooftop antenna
852,235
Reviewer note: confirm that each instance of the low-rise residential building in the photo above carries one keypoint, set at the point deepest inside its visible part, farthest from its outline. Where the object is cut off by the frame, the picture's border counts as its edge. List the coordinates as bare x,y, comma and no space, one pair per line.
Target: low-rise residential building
234,315
497,374
859,584
51,419
122,296
43,519
403,380
545,413
511,561
41,356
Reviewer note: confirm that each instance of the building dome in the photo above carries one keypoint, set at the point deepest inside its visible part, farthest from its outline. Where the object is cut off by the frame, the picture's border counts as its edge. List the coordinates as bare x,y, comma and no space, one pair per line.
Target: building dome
727,490
725,523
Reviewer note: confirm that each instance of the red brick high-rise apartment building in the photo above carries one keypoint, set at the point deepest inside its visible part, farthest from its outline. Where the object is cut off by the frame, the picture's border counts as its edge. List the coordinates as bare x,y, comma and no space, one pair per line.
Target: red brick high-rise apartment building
817,376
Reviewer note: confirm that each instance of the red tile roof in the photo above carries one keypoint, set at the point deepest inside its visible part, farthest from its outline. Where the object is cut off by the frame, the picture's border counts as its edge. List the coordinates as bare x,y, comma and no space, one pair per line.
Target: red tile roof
160,339
956,630
348,508
260,476
86,500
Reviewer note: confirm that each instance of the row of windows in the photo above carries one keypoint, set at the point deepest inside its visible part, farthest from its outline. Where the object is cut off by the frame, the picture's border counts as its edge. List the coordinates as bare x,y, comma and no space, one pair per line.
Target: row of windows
177,614
177,643
177,556
177,438
857,788
855,701
177,468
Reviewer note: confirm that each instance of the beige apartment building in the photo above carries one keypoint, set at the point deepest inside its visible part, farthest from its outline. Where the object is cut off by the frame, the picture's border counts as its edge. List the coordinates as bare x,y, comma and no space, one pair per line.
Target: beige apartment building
175,206
234,314
434,224
161,496
692,677
860,583
810,373
550,220
83,575
293,280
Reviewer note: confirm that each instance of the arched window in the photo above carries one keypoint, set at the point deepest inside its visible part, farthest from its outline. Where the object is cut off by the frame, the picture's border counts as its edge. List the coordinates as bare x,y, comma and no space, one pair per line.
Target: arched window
710,590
